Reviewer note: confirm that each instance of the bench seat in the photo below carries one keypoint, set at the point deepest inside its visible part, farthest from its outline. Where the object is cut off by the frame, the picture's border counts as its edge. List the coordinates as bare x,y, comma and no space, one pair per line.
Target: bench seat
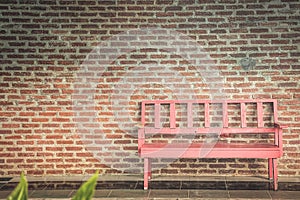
200,150
171,118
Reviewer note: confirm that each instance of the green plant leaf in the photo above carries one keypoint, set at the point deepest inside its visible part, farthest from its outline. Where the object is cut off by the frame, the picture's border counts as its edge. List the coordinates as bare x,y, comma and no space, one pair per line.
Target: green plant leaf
87,189
21,191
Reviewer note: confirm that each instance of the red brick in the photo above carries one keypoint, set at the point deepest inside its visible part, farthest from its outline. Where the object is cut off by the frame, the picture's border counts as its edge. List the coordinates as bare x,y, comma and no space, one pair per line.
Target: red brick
169,171
277,18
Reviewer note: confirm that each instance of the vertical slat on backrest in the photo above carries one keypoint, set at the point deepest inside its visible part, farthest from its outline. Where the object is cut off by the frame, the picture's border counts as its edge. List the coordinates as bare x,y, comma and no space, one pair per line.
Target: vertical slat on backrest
157,115
190,114
143,119
225,115
260,122
206,113
172,115
275,111
243,115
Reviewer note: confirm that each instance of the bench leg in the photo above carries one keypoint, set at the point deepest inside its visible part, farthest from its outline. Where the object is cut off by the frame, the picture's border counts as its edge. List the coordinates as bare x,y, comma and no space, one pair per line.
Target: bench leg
275,175
270,164
149,169
147,172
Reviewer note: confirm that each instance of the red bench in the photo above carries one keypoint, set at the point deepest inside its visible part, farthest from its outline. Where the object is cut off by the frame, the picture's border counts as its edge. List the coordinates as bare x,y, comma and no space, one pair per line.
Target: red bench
222,120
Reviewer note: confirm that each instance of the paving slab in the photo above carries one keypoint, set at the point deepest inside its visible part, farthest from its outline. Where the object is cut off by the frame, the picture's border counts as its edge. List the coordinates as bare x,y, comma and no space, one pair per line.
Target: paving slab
169,194
51,194
285,195
129,194
249,194
209,194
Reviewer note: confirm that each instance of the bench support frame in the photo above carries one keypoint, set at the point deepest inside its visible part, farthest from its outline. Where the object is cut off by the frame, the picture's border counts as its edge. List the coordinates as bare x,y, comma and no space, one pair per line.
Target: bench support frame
270,151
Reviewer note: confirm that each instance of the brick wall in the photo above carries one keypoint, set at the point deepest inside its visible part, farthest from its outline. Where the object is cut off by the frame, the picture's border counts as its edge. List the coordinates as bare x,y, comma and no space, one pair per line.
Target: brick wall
64,111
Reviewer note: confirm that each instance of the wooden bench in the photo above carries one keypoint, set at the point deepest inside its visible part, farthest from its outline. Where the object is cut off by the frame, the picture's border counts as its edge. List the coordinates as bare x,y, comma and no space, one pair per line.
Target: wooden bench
203,118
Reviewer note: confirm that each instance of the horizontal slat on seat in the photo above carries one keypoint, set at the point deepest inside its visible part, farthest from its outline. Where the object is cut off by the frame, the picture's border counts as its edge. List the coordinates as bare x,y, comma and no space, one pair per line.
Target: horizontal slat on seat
151,130
207,150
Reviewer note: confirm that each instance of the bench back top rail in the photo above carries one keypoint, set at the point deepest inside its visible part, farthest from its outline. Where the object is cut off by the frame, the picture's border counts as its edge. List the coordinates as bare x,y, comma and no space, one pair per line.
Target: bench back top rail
206,104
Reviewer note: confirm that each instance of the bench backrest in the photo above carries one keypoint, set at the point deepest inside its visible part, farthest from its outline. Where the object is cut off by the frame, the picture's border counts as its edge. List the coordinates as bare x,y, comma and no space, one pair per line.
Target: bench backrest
204,116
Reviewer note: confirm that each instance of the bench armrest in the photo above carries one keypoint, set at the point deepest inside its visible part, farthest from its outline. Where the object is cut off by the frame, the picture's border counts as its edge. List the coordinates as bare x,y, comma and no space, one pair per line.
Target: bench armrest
141,137
277,125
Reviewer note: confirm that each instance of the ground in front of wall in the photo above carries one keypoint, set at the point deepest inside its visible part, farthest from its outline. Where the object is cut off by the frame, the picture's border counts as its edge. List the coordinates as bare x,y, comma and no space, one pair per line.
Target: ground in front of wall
130,187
